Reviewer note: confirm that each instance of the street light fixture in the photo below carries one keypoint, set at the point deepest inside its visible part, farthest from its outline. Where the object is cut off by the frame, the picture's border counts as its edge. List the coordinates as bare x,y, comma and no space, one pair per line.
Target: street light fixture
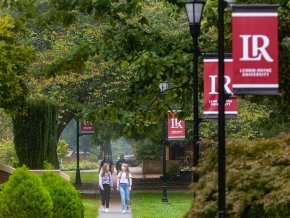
163,88
194,10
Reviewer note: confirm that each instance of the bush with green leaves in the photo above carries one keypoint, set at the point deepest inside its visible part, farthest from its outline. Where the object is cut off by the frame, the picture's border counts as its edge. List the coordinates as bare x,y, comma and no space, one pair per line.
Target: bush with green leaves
149,150
24,196
66,199
8,155
257,179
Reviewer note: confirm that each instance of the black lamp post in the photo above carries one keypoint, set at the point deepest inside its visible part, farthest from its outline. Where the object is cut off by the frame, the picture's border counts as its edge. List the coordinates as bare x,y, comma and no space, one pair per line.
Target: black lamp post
194,10
163,87
78,173
221,114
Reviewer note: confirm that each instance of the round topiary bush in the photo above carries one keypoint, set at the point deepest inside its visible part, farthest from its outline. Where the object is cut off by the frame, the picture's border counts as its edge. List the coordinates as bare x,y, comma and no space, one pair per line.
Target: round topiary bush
24,196
66,200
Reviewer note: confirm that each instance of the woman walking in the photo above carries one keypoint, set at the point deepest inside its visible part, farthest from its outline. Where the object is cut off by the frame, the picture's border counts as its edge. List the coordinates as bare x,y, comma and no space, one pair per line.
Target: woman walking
105,183
124,184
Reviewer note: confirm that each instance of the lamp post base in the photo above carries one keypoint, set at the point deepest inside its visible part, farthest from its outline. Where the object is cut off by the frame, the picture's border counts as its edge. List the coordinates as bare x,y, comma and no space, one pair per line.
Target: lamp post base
164,197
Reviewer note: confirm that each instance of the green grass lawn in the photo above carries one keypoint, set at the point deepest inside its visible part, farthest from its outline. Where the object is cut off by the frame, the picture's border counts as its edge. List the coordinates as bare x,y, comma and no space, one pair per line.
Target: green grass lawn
86,177
148,205
91,207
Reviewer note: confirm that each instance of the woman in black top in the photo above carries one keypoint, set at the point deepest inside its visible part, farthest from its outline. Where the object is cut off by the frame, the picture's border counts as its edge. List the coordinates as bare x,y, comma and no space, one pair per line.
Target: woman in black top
107,161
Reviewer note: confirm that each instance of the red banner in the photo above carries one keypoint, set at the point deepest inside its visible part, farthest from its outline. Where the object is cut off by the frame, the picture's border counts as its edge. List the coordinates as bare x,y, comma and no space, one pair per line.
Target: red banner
211,88
87,128
255,49
176,128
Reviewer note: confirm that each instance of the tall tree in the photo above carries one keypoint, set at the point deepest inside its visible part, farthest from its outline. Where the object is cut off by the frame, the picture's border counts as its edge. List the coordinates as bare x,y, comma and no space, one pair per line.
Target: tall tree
35,134
14,59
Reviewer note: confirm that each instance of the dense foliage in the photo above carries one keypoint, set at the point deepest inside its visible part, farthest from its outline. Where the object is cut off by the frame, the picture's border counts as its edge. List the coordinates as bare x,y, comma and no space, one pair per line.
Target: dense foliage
14,60
24,196
257,178
66,199
35,134
8,155
149,150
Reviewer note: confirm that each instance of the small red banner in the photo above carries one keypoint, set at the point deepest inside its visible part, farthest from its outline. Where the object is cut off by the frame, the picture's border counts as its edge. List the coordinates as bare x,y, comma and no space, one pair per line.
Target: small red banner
211,88
176,128
87,128
255,49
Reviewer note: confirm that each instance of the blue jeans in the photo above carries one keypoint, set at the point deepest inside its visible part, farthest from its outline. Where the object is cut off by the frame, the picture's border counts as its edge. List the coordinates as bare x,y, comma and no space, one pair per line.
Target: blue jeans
125,195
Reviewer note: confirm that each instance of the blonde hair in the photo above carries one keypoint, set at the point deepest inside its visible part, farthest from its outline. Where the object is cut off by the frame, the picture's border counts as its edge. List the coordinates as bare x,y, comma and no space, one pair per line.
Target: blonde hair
127,171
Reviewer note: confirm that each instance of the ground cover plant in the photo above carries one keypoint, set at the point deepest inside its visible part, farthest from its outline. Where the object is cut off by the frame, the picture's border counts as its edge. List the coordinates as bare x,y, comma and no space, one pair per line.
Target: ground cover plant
148,205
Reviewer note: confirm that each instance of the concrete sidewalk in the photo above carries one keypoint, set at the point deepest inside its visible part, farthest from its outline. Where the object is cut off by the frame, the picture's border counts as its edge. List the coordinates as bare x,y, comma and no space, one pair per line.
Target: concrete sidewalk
115,204
137,173
114,210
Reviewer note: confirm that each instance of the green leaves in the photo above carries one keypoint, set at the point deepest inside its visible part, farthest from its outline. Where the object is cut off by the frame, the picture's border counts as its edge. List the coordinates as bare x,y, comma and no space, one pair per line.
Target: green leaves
257,178
14,59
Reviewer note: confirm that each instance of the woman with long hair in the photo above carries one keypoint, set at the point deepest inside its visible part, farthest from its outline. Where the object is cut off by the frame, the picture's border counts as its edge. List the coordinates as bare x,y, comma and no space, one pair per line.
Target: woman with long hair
105,184
124,184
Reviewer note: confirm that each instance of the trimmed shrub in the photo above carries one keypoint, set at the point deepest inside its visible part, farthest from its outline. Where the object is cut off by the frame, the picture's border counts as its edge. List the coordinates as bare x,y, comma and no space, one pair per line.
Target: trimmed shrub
35,134
66,199
257,179
24,196
149,150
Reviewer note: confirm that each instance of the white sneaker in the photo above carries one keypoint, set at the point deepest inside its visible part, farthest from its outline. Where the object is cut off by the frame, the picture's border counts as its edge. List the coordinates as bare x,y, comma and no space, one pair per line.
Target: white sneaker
123,211
103,209
106,210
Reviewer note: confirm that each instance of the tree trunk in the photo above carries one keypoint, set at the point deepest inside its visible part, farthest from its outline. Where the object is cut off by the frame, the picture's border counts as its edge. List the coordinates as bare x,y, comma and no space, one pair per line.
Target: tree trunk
66,118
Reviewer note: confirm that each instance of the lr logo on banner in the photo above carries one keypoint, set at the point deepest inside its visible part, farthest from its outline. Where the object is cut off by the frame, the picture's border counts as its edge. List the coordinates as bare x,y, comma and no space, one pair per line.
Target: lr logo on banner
211,87
176,128
176,124
257,51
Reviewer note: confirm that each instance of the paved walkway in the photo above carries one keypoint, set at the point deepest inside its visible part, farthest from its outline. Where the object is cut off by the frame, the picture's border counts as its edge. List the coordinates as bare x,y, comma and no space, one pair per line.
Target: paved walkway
115,202
114,210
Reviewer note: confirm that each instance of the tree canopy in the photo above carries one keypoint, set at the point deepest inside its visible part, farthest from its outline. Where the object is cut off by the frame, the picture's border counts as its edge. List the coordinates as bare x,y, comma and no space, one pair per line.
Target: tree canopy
103,60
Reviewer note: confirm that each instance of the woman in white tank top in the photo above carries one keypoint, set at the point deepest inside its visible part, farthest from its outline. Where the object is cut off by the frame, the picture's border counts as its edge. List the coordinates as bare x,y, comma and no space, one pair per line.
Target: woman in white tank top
124,184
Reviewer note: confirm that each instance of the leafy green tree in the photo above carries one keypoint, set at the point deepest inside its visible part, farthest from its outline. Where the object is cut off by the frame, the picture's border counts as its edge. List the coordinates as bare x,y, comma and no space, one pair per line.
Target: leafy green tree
108,58
14,59
62,147
8,155
5,125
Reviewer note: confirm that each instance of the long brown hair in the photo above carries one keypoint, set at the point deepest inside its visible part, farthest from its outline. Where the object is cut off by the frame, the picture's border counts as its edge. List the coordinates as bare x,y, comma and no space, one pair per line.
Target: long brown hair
104,169
127,171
